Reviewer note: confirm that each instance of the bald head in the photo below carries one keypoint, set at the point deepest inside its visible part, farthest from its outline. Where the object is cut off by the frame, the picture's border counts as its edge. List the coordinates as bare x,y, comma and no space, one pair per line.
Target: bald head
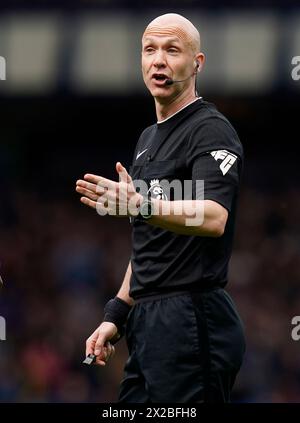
174,24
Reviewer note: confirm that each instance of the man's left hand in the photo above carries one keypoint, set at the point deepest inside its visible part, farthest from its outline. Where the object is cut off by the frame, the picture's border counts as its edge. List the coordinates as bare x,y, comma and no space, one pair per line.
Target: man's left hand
110,197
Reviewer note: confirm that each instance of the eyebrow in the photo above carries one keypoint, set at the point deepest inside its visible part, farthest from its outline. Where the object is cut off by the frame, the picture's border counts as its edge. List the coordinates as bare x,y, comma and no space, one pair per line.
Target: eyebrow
169,40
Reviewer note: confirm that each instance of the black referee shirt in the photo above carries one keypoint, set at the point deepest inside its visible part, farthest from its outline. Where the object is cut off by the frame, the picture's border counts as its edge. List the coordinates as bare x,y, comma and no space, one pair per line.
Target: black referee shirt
196,143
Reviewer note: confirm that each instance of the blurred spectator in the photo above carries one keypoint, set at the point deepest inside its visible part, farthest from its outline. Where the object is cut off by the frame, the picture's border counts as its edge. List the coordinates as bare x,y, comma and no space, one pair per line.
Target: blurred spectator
62,264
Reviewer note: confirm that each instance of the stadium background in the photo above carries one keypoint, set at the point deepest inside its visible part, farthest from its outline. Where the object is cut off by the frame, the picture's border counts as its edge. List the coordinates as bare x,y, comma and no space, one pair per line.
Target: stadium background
73,102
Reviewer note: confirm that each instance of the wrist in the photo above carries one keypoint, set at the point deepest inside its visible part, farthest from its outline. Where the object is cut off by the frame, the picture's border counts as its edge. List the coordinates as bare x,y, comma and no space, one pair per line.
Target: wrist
135,204
146,209
140,200
116,311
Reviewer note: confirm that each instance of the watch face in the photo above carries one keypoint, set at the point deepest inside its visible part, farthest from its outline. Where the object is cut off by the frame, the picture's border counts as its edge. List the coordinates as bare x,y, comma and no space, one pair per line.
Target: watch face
146,209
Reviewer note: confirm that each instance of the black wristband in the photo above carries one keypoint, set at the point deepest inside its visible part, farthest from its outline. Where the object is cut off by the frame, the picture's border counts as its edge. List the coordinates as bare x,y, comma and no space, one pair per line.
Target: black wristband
116,311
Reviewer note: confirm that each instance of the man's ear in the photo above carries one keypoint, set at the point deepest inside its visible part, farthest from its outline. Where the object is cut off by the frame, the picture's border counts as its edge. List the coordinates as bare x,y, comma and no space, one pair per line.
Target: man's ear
200,60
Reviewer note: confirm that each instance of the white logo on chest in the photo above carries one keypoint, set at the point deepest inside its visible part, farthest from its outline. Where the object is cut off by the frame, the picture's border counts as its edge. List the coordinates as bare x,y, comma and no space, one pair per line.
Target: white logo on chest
140,153
156,191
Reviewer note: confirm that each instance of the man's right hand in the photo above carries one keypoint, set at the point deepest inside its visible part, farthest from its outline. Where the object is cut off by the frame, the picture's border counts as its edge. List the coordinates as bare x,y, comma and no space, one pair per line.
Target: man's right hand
99,345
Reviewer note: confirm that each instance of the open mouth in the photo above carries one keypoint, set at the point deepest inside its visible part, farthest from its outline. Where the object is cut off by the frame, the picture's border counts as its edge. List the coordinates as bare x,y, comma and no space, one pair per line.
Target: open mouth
159,77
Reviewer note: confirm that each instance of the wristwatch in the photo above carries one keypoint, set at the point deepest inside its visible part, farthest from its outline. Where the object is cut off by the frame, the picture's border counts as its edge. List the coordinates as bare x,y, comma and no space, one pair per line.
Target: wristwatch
146,208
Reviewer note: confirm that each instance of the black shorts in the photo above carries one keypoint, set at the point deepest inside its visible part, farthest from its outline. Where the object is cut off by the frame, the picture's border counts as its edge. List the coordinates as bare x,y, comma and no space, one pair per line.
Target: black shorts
183,347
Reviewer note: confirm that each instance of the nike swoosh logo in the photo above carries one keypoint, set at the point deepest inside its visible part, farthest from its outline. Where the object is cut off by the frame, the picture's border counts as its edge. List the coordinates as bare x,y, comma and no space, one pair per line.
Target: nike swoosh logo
140,153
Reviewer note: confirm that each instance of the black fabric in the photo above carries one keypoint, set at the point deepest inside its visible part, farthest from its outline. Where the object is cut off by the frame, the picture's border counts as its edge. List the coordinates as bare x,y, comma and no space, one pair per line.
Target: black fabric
217,187
183,348
197,143
116,311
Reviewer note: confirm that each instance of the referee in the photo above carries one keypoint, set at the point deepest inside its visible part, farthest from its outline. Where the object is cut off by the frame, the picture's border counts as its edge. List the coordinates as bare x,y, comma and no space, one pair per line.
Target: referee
184,335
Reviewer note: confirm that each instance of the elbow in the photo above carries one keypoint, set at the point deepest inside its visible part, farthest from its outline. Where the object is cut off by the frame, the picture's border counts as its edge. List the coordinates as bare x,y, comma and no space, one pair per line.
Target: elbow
214,222
220,224
215,229
218,229
217,226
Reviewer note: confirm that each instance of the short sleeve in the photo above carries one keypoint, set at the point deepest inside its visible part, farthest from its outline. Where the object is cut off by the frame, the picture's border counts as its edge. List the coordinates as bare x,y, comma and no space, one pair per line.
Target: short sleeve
215,156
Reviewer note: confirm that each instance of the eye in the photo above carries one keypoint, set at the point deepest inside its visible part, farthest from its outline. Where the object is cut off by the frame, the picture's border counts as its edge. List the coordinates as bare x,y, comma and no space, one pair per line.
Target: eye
149,49
172,50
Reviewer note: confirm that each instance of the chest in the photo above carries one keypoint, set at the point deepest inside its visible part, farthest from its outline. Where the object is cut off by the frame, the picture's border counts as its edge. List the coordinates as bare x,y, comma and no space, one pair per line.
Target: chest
162,156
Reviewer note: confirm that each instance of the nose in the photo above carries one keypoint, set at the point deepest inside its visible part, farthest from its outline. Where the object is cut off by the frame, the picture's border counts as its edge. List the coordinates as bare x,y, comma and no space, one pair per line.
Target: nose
159,60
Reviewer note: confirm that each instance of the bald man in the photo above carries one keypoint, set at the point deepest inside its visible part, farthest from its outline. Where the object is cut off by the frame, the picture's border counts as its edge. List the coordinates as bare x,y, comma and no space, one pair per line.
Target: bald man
184,335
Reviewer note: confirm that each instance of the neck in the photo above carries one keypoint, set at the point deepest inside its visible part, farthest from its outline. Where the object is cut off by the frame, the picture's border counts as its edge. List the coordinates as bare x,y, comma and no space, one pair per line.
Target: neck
168,108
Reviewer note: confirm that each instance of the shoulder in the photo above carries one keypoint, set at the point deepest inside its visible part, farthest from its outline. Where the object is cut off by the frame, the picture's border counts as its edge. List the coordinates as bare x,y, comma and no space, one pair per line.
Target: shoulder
148,131
210,117
211,130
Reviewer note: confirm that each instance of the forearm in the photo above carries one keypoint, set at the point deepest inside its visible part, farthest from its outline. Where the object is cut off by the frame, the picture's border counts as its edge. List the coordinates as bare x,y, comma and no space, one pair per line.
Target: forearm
190,217
116,310
124,290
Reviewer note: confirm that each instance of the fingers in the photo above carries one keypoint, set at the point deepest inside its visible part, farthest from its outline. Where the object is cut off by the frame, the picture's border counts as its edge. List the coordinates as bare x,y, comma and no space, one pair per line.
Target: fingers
101,340
123,174
90,347
94,183
99,343
102,349
95,345
100,205
90,193
88,202
88,186
91,342
108,352
109,349
99,181
92,188
106,196
87,193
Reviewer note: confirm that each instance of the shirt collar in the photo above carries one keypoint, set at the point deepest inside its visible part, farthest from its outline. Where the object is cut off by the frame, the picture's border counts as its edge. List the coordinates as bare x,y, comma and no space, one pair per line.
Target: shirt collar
191,102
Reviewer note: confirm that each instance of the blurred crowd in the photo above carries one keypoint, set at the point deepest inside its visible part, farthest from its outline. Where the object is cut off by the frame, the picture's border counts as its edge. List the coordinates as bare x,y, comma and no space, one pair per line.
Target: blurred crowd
140,4
61,262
